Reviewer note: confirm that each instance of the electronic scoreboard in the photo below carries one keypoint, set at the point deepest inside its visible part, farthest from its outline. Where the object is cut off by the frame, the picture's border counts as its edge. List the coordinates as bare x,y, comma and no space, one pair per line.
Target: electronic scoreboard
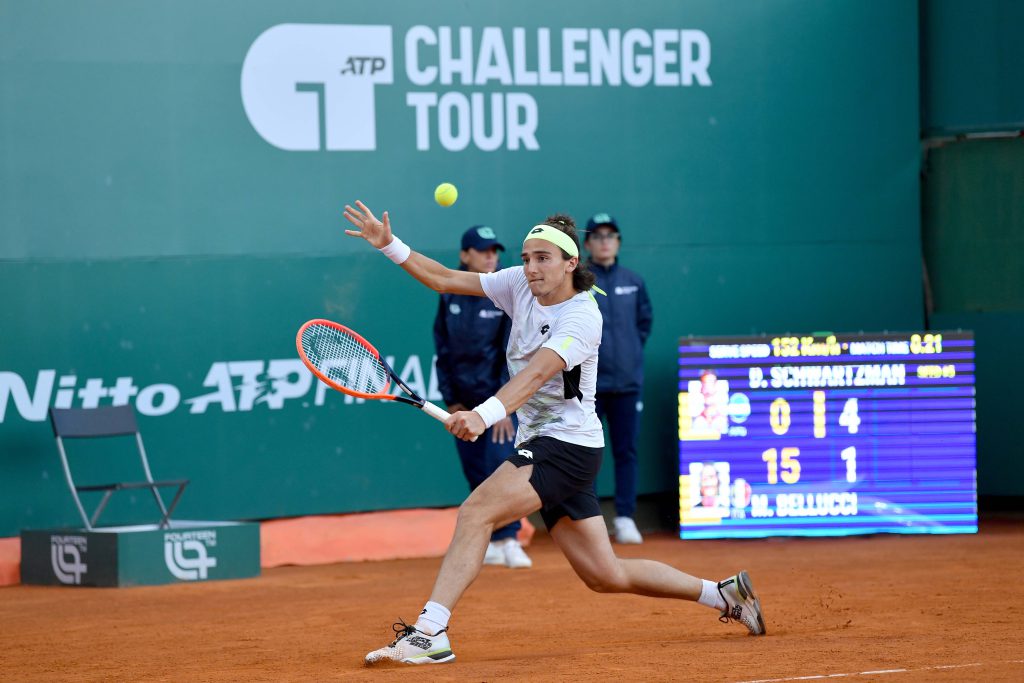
827,435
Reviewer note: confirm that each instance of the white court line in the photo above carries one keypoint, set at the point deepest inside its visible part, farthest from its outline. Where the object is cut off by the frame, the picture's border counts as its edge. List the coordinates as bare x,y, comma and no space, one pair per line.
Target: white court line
880,672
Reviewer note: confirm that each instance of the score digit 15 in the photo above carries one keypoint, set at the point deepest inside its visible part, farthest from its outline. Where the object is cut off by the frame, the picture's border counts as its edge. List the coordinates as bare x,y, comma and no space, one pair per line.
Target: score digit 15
788,464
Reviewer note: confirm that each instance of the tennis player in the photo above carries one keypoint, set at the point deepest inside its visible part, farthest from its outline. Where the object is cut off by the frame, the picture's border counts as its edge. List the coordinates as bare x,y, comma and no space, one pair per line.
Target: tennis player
552,359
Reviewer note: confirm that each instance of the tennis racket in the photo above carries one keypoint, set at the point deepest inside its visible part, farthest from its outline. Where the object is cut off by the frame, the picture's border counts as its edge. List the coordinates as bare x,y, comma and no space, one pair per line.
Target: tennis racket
344,361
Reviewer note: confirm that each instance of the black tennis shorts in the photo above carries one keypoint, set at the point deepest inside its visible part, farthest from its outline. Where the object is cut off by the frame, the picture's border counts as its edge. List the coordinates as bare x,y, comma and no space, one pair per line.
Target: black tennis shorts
563,476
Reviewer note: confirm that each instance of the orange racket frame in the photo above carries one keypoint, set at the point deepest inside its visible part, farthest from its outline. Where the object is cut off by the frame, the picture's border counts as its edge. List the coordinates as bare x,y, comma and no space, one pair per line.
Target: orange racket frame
413,398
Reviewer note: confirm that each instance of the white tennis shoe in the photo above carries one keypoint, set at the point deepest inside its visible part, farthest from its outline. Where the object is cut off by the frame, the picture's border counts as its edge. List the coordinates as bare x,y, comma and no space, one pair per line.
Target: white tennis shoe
413,646
515,556
742,603
495,554
626,531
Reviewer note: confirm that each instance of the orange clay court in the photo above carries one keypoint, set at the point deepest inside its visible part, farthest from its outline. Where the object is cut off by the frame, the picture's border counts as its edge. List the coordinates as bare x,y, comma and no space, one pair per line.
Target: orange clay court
885,608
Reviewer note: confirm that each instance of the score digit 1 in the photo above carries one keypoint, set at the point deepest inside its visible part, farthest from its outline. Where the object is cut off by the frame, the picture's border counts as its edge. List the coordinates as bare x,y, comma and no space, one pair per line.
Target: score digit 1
819,414
849,456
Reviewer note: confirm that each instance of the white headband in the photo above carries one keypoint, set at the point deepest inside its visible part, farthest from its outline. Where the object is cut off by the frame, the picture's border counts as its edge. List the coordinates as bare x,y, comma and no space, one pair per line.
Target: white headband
555,236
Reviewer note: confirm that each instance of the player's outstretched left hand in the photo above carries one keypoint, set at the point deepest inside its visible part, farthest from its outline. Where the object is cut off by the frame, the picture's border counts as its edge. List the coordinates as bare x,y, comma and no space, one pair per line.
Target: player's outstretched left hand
376,232
466,425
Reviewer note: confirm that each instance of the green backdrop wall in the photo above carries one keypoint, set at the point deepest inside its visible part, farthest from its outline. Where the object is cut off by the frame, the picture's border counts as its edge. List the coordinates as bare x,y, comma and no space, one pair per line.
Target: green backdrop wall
173,176
972,61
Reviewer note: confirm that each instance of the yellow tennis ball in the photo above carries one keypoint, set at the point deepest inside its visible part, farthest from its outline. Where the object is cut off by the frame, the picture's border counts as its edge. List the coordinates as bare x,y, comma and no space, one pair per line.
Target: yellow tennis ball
446,194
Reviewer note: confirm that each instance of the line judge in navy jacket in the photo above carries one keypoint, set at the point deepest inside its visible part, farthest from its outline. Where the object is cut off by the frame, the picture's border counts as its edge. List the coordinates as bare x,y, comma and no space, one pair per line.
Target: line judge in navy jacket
620,367
471,334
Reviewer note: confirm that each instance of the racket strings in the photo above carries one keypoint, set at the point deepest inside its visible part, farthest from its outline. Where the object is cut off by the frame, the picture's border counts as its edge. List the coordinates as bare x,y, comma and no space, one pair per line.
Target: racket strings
345,361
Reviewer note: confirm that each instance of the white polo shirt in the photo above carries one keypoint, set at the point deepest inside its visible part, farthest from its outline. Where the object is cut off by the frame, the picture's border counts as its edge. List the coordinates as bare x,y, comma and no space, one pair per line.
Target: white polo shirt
572,329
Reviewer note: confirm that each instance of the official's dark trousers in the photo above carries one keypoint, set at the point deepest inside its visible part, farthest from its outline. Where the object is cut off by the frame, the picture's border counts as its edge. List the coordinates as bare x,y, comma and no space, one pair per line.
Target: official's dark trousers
479,460
620,410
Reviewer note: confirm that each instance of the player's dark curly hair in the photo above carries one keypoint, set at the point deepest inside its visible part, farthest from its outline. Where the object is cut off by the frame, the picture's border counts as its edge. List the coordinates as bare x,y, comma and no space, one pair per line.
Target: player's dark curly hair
582,278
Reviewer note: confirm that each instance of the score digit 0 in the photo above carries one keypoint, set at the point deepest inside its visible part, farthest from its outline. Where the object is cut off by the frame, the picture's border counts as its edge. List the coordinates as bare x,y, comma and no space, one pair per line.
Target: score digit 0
779,416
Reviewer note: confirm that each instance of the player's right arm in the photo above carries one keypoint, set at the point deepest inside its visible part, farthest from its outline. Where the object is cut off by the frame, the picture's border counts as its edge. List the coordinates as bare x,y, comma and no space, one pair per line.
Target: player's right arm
544,365
428,271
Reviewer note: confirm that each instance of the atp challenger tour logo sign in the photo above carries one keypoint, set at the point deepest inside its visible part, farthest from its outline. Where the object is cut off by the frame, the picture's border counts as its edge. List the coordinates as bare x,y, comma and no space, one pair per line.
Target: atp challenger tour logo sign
228,386
308,87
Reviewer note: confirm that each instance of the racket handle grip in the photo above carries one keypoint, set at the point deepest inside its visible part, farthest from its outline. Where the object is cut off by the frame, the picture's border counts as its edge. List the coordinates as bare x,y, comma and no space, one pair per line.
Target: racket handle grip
438,413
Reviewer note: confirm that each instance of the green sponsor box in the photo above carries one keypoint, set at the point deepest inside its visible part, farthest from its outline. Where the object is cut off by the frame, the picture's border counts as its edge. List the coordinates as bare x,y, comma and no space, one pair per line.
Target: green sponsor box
141,555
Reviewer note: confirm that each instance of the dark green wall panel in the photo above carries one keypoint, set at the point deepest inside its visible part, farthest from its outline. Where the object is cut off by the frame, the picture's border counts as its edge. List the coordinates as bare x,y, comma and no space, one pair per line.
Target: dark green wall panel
973,241
974,225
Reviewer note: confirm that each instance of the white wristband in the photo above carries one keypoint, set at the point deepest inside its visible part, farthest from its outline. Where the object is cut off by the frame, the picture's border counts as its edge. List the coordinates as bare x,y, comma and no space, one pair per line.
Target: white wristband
398,251
492,410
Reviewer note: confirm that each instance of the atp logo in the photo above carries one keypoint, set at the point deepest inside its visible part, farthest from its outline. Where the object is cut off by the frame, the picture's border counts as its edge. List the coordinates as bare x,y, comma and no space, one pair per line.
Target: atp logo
309,87
66,558
187,556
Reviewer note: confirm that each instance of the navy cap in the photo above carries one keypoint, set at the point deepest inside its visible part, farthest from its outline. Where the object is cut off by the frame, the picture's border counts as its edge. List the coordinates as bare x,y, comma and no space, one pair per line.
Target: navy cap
601,219
481,238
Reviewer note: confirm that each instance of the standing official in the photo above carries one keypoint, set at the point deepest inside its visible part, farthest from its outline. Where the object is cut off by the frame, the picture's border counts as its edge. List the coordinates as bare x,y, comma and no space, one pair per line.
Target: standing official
620,370
470,334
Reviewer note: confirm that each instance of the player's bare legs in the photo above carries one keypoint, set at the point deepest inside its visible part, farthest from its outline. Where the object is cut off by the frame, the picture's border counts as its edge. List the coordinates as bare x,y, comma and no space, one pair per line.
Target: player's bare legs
586,545
505,496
